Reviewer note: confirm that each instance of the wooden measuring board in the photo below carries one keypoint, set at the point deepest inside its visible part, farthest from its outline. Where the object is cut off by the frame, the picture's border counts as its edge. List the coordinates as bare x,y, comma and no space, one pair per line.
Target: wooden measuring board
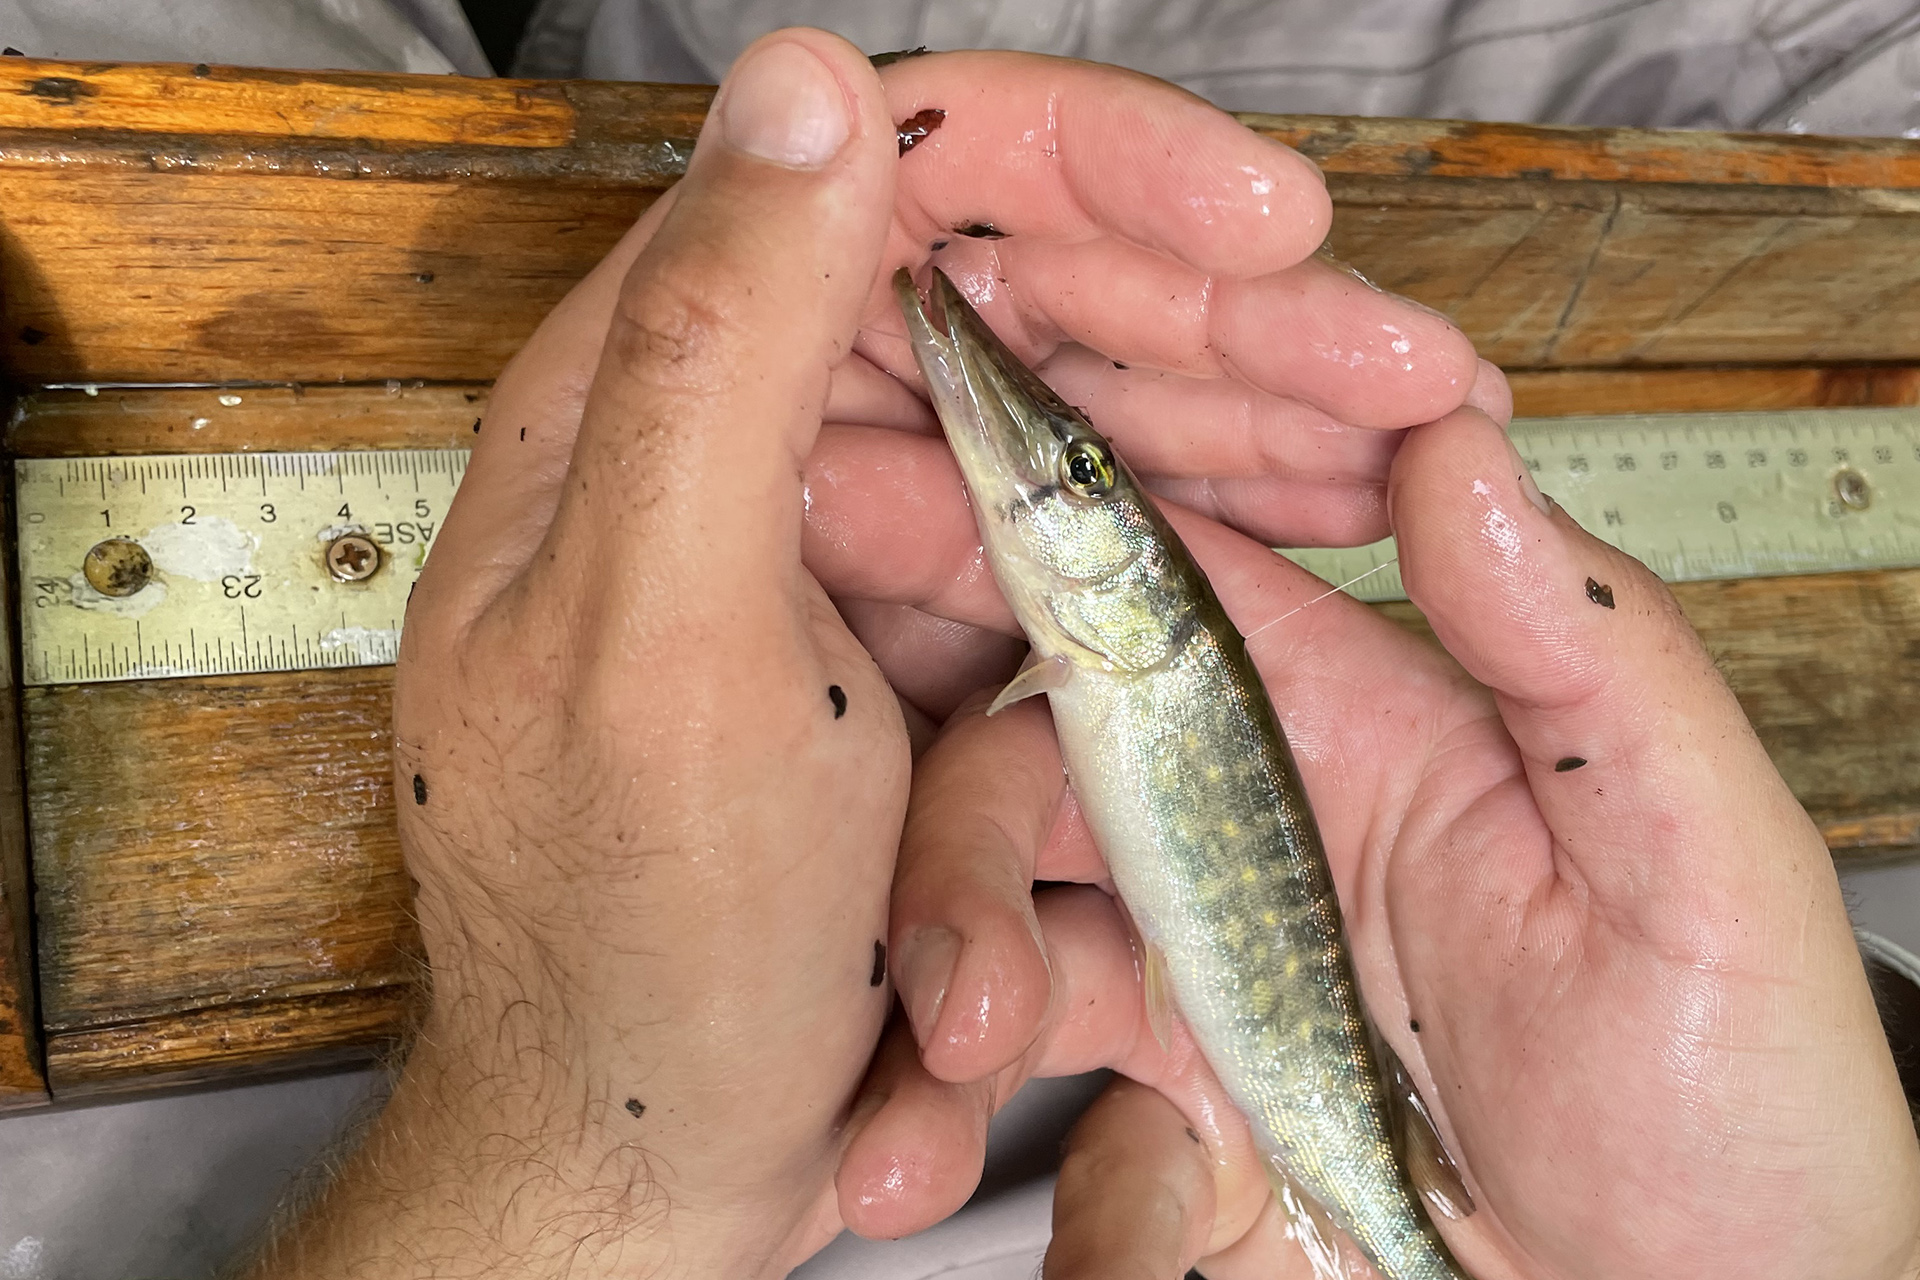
217,882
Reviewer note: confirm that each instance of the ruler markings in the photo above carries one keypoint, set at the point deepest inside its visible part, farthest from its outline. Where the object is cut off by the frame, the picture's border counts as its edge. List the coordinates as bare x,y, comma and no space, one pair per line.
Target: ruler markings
1694,496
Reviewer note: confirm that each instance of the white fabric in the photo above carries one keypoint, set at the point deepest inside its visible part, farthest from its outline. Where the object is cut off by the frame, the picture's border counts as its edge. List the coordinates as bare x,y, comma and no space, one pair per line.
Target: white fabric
342,35
1831,66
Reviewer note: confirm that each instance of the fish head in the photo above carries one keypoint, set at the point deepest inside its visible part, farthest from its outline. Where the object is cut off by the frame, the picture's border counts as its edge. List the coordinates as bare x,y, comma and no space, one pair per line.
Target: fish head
1084,558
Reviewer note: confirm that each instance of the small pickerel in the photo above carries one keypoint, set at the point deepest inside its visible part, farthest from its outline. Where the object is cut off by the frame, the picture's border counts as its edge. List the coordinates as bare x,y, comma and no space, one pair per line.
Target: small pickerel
1191,792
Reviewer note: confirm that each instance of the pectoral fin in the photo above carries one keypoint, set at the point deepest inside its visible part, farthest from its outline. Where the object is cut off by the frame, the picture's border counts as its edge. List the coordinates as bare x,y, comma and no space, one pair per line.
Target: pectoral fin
1431,1170
1157,986
1038,676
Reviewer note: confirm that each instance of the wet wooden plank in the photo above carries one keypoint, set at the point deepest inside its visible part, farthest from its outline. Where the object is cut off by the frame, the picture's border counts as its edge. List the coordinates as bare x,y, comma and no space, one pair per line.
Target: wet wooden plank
179,97
218,880
161,225
122,420
1556,393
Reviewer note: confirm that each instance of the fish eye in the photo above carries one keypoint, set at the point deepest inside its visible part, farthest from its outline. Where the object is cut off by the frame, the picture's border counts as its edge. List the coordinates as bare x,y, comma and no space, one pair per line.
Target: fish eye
1087,469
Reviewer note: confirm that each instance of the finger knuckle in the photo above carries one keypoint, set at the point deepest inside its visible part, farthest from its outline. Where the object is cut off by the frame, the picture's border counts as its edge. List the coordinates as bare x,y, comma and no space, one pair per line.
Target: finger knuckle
670,331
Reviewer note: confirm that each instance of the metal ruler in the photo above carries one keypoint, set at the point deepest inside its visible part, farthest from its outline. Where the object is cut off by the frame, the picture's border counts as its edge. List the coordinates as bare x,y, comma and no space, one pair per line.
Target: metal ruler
1712,495
188,565
142,567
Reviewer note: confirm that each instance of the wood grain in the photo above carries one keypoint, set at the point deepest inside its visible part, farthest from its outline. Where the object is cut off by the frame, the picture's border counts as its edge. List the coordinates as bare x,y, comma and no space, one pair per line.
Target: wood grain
166,98
161,225
122,420
212,847
1558,393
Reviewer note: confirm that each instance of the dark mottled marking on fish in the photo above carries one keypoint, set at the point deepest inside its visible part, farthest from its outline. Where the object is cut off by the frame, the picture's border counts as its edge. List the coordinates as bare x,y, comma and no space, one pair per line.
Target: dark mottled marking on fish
1569,764
1600,594
898,55
879,964
636,1108
917,126
419,789
980,231
837,696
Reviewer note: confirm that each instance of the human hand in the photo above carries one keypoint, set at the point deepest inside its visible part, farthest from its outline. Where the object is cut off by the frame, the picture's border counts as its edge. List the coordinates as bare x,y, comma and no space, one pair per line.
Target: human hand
1583,908
653,855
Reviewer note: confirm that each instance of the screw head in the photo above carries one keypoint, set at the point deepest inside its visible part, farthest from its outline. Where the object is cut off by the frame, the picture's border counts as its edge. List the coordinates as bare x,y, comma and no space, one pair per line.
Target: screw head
118,567
352,558
1852,489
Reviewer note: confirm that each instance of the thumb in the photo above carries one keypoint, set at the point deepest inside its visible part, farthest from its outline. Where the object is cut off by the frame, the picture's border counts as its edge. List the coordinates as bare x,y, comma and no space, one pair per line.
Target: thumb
1634,747
709,389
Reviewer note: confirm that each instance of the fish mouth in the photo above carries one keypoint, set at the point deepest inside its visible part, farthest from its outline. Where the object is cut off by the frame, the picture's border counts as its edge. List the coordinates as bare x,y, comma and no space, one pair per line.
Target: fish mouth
1006,426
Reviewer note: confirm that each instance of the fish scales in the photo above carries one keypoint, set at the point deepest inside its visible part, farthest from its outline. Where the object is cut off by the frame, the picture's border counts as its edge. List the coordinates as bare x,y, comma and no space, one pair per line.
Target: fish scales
1186,781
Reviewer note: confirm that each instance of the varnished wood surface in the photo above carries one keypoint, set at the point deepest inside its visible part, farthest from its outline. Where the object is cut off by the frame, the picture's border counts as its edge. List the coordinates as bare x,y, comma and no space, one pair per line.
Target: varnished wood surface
207,224
217,876
120,420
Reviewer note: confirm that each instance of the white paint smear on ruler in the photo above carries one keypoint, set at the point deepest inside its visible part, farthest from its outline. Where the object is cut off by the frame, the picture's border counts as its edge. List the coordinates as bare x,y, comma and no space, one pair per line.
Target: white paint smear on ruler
208,549
371,645
142,602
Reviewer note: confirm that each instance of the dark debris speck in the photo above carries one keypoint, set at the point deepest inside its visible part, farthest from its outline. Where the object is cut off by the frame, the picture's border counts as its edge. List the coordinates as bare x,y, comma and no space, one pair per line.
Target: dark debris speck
636,1108
838,697
879,964
419,789
980,231
914,129
1600,593
1568,765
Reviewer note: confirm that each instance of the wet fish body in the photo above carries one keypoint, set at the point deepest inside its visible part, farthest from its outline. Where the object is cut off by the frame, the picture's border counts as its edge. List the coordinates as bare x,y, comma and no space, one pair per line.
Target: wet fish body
1188,786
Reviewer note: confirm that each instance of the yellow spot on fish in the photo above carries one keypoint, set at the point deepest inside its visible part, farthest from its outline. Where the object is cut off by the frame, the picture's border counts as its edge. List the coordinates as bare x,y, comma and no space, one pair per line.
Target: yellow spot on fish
1260,952
1293,965
1236,931
1306,1028
1269,918
1262,995
1248,874
1213,773
1229,828
1191,740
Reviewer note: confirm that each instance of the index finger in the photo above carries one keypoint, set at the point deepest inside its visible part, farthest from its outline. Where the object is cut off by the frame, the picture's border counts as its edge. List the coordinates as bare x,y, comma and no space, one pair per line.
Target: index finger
1080,150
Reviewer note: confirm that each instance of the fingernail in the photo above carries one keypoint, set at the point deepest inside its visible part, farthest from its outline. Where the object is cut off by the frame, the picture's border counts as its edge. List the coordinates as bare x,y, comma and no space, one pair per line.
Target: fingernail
925,971
1524,478
785,105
